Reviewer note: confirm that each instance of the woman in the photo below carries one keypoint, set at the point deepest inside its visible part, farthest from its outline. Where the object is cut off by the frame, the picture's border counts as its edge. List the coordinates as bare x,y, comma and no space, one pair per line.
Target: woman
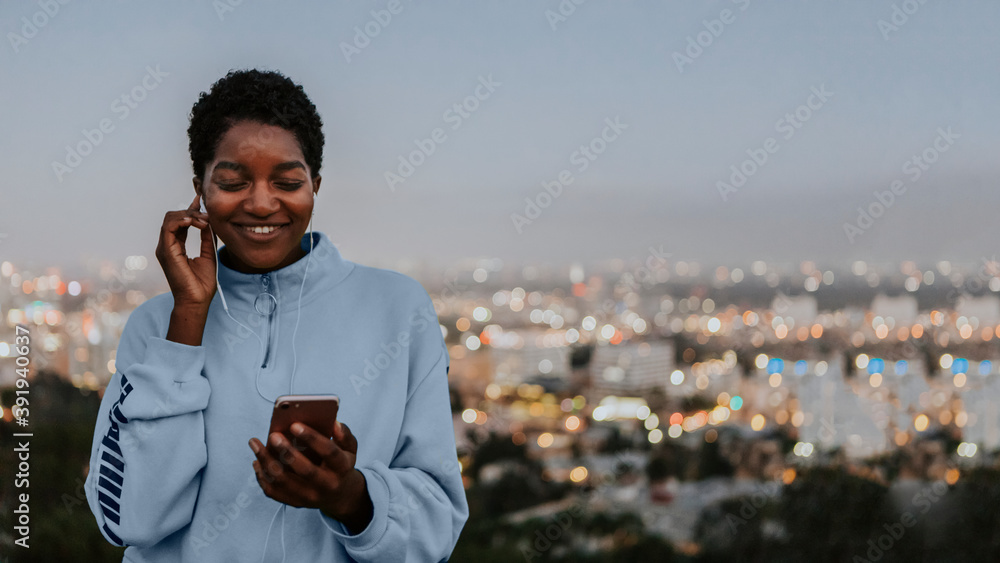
196,376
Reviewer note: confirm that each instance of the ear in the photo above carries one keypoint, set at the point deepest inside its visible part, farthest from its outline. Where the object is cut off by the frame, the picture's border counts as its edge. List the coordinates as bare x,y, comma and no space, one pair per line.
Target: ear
197,186
316,182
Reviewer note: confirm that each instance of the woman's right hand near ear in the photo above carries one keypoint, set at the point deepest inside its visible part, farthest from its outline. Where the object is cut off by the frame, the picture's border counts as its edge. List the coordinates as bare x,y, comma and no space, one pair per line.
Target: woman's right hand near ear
191,280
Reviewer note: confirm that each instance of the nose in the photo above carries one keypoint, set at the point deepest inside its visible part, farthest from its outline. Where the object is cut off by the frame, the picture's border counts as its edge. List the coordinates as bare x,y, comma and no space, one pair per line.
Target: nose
261,199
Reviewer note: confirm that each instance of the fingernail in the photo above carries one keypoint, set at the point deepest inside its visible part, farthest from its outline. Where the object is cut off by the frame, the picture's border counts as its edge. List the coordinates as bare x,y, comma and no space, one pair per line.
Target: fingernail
297,429
254,446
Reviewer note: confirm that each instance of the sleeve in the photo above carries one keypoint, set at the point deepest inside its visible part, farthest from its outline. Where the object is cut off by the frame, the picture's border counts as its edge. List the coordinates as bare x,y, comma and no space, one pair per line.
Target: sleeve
149,440
418,499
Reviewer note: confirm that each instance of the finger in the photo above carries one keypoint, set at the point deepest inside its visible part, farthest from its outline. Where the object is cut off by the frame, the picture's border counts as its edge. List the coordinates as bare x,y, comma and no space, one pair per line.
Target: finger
294,475
192,221
271,466
330,454
267,455
175,235
256,447
263,460
346,439
315,441
175,228
335,458
290,457
283,491
270,486
194,210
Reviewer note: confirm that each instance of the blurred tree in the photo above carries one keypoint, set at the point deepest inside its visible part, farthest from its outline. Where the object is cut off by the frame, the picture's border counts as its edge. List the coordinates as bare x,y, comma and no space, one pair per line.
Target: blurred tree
657,400
616,442
498,448
62,527
456,399
711,462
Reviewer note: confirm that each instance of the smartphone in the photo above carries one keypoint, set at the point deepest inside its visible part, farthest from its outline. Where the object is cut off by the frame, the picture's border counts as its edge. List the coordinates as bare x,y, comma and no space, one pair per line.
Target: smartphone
319,412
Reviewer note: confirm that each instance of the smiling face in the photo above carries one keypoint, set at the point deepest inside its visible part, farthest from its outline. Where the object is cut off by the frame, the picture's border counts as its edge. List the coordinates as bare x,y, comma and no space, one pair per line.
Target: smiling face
258,192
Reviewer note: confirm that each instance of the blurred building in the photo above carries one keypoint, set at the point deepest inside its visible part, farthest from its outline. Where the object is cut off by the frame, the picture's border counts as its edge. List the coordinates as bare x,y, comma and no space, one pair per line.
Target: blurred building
902,309
531,362
802,308
631,367
985,309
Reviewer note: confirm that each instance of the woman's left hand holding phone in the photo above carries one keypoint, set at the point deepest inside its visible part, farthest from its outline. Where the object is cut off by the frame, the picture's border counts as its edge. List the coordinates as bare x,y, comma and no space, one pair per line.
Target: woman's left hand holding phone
334,486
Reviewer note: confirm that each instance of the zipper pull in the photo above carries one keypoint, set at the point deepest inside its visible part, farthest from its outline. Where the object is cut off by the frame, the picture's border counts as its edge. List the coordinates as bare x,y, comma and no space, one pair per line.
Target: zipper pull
265,303
272,304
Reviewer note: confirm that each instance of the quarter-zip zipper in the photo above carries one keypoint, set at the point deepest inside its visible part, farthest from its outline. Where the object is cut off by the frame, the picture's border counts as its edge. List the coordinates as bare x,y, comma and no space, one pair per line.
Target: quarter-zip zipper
265,280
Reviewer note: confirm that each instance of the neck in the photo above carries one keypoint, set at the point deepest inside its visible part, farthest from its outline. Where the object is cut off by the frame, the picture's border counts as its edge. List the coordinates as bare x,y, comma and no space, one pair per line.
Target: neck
227,259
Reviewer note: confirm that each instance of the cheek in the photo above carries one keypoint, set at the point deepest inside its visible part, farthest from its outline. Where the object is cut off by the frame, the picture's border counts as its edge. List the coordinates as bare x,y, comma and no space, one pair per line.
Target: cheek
222,209
304,209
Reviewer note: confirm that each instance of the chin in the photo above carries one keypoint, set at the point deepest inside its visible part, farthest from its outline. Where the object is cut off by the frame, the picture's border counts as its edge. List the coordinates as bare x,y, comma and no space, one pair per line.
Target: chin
265,261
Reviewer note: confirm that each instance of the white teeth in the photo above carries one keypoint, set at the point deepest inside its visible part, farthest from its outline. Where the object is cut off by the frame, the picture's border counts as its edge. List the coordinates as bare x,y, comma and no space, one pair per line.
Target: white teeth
262,230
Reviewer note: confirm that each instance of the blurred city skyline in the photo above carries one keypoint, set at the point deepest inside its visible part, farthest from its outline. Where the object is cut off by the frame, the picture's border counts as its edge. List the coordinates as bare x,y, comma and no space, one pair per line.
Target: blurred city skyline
696,91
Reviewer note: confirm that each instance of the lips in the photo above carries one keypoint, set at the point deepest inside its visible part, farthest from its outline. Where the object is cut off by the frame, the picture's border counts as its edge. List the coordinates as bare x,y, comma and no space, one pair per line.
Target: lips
261,233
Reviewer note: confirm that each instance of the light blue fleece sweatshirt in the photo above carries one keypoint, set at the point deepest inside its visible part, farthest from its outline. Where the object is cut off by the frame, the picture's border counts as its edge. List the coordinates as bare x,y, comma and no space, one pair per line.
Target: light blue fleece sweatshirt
171,471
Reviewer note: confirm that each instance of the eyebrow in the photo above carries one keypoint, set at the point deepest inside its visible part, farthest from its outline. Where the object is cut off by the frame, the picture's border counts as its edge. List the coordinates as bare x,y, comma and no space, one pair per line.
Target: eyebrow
227,165
282,167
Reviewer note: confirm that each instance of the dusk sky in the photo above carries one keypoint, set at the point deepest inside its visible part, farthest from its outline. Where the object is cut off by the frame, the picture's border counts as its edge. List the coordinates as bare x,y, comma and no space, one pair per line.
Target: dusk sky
885,86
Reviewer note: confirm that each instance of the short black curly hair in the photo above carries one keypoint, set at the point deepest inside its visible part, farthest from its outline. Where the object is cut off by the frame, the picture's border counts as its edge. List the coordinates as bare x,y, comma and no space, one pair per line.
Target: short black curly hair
264,96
